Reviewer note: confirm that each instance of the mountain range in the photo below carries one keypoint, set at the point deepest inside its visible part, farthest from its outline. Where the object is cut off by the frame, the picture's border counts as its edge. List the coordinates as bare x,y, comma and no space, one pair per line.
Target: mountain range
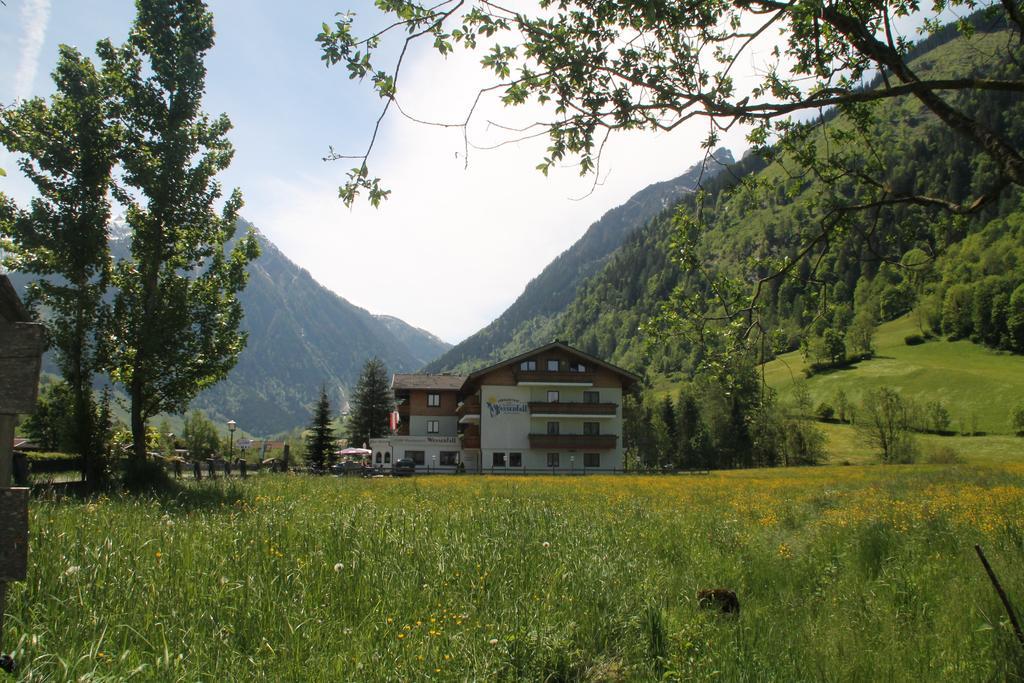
301,336
526,322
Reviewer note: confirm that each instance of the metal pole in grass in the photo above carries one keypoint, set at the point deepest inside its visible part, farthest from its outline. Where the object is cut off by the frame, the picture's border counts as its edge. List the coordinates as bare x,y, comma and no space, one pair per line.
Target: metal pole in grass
1002,594
231,438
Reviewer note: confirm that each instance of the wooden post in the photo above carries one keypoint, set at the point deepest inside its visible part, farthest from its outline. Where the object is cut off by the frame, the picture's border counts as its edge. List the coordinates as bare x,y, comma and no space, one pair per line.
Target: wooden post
1002,594
6,470
21,350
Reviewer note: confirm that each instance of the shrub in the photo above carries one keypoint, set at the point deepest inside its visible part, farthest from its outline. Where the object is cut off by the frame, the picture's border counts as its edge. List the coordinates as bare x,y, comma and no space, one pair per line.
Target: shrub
942,455
885,424
913,339
825,411
146,476
1017,420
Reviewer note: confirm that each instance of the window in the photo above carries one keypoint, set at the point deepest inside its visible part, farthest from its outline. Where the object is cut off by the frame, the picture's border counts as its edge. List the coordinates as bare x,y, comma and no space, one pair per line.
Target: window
433,426
577,367
418,457
591,459
591,396
591,428
449,458
552,459
433,400
387,457
552,366
498,460
515,459
552,397
379,457
528,365
552,428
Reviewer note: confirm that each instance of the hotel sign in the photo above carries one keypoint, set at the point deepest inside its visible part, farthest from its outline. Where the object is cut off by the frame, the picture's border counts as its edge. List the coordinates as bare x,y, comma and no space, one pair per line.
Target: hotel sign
507,406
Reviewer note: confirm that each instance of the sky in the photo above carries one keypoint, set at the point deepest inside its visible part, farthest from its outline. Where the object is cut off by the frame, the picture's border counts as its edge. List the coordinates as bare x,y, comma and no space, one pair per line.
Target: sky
457,241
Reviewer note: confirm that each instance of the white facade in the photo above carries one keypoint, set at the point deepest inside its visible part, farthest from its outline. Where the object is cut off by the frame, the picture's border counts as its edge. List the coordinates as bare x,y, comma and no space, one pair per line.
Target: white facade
506,423
431,453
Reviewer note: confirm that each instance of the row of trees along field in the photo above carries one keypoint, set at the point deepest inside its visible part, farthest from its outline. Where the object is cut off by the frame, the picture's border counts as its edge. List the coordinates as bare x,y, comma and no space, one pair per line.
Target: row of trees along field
164,322
718,422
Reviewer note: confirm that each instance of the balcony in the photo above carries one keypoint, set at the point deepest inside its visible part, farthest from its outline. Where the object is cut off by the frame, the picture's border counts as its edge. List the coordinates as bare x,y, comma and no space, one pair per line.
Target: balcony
470,441
582,379
469,410
570,442
543,409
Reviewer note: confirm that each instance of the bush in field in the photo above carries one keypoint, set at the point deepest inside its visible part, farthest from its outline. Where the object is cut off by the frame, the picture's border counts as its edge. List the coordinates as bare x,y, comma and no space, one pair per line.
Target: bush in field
942,455
842,404
825,411
884,424
804,443
1017,420
938,416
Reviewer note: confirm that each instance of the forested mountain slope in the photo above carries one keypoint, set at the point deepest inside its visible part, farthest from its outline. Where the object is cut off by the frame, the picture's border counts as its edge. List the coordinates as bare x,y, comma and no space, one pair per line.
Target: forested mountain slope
301,335
525,322
771,210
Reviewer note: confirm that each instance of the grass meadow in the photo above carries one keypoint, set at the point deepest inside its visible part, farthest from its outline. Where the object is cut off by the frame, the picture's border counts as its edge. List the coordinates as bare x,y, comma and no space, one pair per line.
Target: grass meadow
843,573
979,386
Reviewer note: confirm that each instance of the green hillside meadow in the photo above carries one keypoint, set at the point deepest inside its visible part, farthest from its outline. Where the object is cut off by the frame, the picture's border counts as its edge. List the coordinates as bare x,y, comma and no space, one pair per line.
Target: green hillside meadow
969,379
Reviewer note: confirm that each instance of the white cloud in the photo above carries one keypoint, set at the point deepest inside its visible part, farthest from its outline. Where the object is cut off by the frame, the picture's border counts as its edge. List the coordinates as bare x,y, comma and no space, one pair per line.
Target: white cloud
453,247
35,16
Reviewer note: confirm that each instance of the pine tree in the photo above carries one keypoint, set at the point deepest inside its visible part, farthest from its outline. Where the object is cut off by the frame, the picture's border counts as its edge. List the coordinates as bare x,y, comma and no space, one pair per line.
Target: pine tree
372,403
320,436
688,423
176,315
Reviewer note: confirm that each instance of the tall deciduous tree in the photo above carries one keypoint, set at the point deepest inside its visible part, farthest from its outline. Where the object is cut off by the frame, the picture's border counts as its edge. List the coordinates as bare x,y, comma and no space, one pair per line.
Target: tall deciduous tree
884,423
607,66
176,314
201,439
372,402
589,68
320,436
70,149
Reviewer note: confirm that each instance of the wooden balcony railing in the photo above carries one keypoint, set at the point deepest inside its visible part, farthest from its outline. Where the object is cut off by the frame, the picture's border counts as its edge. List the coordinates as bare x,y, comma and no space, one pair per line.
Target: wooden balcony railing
545,376
597,442
572,408
470,440
469,407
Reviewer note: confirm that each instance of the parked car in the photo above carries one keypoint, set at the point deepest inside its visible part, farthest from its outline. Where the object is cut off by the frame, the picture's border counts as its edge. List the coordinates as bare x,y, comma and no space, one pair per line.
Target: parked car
404,467
347,468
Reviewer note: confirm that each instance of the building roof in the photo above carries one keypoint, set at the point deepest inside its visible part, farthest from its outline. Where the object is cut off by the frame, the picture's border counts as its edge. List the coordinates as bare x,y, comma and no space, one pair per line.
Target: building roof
11,309
425,381
629,377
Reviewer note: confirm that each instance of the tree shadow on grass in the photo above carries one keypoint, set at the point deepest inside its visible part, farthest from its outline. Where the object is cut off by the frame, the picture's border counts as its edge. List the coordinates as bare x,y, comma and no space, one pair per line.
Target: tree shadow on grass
173,495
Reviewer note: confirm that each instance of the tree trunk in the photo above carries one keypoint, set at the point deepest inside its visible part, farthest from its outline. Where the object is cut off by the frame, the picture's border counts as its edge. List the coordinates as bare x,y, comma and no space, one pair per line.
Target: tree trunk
138,420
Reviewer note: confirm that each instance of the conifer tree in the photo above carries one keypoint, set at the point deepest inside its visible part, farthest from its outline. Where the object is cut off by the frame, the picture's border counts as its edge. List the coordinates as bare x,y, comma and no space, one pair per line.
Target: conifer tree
372,402
320,437
176,314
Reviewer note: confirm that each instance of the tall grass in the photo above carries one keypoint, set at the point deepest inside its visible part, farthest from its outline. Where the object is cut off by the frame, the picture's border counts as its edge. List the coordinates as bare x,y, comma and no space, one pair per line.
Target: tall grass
842,573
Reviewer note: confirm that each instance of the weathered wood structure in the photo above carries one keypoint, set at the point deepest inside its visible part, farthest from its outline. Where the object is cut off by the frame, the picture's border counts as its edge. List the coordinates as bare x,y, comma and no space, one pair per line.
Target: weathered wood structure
21,349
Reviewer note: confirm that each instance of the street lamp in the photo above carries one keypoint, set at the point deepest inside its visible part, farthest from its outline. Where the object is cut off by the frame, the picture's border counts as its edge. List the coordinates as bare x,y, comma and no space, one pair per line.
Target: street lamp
231,438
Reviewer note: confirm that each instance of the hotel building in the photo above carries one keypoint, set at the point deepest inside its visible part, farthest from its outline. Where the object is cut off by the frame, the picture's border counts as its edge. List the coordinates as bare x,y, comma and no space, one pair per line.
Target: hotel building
553,408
